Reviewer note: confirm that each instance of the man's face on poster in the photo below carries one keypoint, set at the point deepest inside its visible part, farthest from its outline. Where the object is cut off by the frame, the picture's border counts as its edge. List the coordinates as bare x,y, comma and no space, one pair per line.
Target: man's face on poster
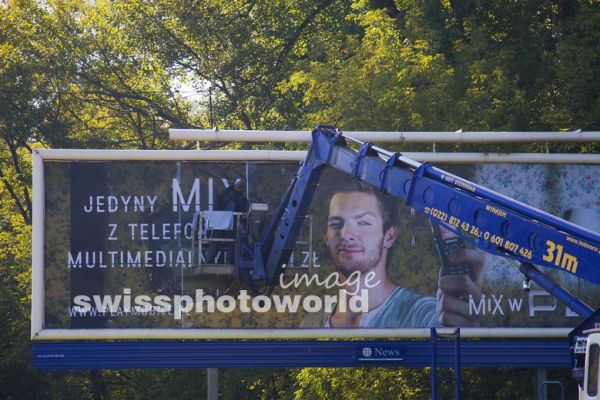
355,237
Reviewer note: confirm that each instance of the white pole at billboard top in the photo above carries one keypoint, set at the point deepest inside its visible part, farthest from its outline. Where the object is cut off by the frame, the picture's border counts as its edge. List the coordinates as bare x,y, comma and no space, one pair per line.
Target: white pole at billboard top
214,135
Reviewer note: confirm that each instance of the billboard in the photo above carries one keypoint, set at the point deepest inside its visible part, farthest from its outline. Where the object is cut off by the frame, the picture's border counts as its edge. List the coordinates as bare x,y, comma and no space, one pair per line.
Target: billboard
149,247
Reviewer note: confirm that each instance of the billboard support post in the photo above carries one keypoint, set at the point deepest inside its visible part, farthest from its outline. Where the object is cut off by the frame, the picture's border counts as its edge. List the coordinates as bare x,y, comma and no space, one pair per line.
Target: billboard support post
434,379
212,380
540,378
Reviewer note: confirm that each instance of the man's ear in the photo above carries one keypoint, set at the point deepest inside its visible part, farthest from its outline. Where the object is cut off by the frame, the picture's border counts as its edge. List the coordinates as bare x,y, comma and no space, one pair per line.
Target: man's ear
389,238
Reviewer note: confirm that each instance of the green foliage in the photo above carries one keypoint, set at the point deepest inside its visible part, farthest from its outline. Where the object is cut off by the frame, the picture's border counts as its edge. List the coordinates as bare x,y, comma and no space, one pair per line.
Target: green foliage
579,54
388,84
240,49
361,383
443,66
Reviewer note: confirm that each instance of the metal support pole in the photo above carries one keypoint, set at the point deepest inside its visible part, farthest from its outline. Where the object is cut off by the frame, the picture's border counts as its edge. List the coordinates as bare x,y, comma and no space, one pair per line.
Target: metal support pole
566,298
434,388
212,380
539,379
457,375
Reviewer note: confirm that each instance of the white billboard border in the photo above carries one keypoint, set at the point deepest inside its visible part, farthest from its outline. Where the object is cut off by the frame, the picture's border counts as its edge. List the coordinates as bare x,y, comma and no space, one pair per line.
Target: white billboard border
38,332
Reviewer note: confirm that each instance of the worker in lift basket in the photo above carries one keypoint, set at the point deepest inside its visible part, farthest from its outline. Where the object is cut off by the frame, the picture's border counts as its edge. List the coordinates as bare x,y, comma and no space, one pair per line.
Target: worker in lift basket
233,198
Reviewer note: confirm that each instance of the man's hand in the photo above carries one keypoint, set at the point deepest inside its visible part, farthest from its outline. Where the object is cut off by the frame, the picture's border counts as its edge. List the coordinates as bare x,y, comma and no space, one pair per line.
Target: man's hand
454,290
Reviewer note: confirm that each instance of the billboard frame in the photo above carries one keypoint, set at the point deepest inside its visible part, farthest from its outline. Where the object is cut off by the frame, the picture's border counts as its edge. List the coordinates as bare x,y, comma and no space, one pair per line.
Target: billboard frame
38,332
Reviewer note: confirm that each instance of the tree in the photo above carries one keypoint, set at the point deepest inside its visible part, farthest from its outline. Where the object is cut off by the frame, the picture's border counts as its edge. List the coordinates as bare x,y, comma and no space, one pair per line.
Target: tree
242,49
479,65
45,100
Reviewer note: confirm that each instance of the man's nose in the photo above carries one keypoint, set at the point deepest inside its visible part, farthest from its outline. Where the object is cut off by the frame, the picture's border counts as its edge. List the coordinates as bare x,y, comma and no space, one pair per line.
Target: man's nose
348,232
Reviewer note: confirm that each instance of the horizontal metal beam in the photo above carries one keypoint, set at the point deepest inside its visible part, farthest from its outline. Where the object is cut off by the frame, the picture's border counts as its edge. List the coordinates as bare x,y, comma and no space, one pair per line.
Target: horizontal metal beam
299,155
274,334
205,135
297,354
170,155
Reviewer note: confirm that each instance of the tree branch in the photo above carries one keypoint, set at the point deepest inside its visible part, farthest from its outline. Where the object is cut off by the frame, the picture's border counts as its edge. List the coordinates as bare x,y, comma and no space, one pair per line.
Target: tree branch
298,33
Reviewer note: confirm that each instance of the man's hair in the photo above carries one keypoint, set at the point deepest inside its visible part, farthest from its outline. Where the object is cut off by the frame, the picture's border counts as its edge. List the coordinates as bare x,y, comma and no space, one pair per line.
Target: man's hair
386,204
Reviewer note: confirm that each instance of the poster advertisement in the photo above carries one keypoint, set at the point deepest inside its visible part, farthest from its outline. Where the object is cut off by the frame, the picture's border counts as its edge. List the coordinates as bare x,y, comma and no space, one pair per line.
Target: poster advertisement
155,245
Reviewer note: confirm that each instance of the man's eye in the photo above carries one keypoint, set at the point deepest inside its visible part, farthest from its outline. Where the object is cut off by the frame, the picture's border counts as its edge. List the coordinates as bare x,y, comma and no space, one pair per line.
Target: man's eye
335,225
364,223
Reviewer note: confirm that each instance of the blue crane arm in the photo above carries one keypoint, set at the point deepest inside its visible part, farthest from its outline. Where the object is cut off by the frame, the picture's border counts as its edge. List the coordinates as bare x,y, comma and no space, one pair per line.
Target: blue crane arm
493,222
501,225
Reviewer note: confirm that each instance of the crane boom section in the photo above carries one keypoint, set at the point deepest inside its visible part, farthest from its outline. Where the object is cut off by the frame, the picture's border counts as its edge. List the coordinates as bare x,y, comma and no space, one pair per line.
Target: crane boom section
494,223
503,226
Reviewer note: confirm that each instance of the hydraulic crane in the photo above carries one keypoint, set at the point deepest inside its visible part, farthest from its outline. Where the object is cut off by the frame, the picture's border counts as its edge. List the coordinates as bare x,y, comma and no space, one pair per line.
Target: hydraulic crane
492,222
